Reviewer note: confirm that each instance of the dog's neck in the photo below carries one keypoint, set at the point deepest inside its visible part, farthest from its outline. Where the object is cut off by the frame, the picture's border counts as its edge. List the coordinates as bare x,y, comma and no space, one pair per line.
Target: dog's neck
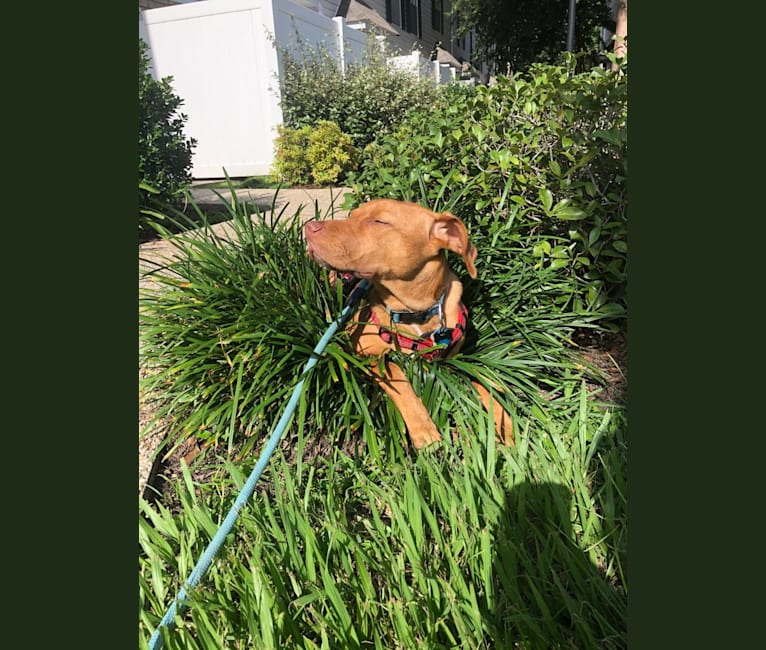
440,293
435,288
418,294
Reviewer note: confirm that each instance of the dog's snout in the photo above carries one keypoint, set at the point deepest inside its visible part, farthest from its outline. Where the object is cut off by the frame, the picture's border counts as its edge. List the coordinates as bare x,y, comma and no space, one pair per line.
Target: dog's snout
313,227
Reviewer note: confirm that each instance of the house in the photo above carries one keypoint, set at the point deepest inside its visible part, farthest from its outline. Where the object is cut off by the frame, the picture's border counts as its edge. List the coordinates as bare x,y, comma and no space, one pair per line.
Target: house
408,25
221,57
423,25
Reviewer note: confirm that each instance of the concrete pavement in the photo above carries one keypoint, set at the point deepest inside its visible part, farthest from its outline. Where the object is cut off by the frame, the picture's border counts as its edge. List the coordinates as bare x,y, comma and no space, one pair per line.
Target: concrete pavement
288,202
327,198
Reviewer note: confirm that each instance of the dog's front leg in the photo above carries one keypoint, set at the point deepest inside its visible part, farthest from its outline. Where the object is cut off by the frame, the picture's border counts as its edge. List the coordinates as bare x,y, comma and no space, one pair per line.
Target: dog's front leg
394,382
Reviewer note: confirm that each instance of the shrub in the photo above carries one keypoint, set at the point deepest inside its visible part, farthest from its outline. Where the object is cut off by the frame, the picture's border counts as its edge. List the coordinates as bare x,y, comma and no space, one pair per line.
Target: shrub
164,153
543,153
319,154
370,99
290,164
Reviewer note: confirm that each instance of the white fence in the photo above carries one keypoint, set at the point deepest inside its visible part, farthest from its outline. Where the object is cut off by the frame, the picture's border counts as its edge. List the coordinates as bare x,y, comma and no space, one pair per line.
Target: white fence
224,63
293,21
441,73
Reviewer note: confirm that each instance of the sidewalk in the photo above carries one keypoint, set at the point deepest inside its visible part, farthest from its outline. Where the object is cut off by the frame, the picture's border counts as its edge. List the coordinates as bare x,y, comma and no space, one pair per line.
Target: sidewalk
327,199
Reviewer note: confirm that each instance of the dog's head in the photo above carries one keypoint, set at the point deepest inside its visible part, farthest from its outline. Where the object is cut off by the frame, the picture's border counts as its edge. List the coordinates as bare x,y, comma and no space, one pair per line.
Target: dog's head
389,240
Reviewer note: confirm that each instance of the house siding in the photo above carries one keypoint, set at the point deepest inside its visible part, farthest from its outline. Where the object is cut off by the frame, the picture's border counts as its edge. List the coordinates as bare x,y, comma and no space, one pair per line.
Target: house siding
429,37
407,41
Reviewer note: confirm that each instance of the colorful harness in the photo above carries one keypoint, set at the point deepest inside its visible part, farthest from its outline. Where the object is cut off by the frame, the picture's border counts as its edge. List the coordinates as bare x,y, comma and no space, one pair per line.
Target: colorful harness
432,345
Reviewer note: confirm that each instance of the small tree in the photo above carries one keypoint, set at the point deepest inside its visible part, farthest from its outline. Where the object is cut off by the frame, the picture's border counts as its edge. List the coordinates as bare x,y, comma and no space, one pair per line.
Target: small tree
164,153
518,33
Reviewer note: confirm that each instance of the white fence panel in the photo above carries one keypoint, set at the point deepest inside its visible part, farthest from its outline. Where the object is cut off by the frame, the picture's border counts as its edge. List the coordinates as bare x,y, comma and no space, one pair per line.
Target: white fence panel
296,24
354,43
223,67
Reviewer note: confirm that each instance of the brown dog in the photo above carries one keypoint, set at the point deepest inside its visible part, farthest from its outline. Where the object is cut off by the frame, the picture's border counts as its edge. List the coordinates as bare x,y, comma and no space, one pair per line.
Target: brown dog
415,300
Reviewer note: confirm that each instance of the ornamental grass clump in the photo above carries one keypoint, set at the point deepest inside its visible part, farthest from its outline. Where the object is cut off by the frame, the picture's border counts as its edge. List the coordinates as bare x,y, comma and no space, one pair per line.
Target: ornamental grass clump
230,323
352,540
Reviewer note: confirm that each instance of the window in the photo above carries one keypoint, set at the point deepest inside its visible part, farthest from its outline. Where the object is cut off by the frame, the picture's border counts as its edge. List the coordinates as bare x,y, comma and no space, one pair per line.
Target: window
394,12
411,15
437,15
405,14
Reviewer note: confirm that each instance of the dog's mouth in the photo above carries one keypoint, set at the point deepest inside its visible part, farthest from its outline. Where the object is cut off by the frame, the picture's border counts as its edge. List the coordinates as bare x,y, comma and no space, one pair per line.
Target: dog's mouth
344,273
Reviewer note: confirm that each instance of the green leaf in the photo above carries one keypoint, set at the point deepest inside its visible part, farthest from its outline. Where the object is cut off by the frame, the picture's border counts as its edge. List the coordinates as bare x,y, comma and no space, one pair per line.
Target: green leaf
569,213
148,188
620,245
542,248
546,198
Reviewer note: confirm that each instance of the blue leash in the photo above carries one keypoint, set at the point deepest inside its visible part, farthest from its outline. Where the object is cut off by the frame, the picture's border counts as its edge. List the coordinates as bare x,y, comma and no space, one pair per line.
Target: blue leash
203,564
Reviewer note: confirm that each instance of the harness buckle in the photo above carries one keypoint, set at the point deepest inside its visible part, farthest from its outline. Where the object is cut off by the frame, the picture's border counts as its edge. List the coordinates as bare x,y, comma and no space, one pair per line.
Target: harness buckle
443,336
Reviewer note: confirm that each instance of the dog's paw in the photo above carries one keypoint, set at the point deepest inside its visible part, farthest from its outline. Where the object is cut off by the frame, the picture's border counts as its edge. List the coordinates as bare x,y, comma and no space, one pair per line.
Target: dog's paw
432,448
424,438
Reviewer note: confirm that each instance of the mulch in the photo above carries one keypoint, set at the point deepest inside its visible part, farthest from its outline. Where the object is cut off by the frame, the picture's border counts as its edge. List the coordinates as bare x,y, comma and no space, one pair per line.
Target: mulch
607,353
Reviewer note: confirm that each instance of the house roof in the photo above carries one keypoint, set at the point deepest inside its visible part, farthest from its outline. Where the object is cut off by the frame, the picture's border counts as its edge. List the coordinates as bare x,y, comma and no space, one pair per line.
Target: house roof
442,56
356,11
153,4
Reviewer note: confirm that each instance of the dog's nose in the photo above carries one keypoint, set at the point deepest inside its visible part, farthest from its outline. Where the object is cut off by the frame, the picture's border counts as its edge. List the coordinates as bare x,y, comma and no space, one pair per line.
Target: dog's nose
313,227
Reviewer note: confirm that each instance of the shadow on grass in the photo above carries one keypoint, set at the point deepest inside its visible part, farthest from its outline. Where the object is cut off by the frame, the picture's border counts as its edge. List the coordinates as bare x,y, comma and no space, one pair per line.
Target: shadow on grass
548,592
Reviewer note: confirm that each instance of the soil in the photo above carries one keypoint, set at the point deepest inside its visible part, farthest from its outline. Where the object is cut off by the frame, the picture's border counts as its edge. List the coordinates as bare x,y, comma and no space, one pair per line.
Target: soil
607,353
604,352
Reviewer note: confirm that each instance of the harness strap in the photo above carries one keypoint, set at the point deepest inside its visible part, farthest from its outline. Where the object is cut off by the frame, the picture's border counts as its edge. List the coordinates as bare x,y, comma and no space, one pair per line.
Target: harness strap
437,343
406,317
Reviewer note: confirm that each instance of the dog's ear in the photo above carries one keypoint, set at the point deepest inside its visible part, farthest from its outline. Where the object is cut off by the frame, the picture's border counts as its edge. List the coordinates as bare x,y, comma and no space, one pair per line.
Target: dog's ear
452,235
